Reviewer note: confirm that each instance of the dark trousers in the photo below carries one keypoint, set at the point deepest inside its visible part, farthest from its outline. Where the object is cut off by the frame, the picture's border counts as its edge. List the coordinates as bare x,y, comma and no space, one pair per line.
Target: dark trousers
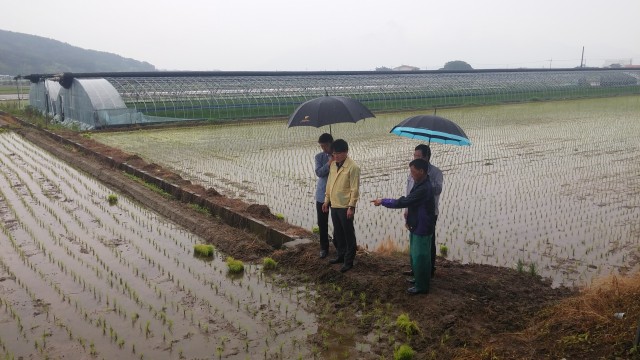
344,235
323,226
419,247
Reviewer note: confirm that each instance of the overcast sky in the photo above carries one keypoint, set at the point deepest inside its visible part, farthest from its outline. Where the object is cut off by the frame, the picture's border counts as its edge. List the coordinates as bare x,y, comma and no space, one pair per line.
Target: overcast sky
345,35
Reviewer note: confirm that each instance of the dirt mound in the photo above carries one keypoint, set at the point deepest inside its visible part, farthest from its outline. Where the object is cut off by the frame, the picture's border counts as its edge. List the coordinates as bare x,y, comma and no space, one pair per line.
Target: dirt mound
211,192
260,211
151,168
131,159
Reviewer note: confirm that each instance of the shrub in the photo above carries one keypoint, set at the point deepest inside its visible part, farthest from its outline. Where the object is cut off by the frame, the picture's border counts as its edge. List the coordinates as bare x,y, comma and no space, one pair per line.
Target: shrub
235,266
269,264
315,229
404,352
444,250
112,199
203,250
405,324
280,216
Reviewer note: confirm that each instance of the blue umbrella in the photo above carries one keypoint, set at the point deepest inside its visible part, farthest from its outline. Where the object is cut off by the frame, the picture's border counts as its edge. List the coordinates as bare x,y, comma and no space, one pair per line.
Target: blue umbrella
432,128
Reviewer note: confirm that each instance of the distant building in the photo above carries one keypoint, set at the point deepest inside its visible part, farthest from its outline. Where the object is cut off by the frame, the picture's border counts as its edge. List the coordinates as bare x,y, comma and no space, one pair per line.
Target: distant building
406,68
618,63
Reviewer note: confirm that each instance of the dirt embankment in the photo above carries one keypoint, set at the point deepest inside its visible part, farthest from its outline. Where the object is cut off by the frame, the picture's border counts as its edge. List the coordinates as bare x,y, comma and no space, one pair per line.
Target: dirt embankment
472,311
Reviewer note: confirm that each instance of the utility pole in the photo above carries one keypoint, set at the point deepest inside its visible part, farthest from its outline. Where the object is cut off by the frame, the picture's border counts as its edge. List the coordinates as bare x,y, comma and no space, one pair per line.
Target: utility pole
582,58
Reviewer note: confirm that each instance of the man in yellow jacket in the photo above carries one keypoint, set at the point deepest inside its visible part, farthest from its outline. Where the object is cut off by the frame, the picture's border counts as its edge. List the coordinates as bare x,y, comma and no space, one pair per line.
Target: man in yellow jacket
343,190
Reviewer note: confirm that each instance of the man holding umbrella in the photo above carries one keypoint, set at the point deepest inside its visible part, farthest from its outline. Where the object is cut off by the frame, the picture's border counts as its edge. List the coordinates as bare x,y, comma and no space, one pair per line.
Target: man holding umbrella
343,191
437,129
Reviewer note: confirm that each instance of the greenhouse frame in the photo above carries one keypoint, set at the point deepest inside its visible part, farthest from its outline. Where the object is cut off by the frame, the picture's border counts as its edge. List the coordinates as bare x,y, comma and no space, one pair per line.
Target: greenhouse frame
97,100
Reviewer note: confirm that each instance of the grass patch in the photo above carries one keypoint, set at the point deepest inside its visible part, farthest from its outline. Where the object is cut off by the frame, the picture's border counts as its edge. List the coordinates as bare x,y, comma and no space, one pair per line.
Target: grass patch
152,187
234,266
201,209
585,323
269,264
205,250
387,247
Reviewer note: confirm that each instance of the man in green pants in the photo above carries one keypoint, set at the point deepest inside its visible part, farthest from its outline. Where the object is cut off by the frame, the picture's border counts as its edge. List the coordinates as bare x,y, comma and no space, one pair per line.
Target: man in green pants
420,221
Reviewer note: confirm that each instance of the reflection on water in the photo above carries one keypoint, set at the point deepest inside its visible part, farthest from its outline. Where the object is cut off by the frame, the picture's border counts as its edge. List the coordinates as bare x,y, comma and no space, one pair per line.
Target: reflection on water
554,185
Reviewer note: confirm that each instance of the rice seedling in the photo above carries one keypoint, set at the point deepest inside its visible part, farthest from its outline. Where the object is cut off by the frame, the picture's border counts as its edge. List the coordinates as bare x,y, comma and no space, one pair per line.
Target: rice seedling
269,264
444,250
406,325
205,250
112,199
403,352
234,266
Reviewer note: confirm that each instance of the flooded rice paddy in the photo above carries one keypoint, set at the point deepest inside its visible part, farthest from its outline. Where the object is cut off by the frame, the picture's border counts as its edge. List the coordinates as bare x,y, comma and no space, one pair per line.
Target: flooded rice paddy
554,186
84,279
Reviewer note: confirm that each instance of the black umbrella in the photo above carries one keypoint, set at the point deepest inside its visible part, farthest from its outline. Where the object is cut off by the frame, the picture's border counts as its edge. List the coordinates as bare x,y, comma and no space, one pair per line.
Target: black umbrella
432,128
327,110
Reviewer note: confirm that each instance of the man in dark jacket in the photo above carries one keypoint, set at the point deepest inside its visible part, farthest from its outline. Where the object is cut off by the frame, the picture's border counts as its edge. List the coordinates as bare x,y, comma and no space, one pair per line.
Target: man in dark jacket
420,222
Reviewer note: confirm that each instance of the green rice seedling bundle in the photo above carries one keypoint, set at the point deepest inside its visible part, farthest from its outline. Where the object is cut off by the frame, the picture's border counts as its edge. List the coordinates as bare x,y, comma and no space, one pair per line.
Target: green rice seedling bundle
205,250
235,266
269,264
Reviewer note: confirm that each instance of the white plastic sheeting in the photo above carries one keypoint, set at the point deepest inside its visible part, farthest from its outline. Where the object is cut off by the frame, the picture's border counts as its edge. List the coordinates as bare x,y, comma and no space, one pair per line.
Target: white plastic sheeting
45,96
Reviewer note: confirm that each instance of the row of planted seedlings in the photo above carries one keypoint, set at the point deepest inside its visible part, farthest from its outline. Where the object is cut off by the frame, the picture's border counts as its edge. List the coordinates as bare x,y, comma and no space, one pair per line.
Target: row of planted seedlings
24,257
173,294
63,261
533,202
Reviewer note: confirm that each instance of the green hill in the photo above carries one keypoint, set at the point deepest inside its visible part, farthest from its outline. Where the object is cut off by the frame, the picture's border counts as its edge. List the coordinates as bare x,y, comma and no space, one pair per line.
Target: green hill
29,54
